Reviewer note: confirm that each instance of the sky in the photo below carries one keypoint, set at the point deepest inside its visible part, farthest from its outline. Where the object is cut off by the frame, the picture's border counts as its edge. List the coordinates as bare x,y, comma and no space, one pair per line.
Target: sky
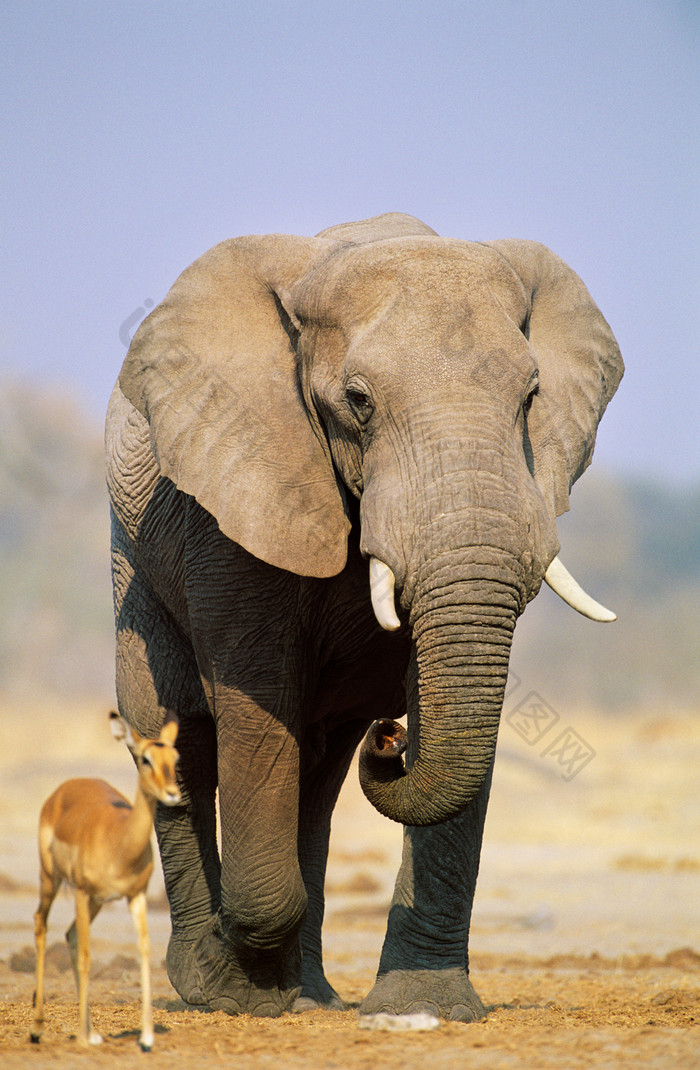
137,135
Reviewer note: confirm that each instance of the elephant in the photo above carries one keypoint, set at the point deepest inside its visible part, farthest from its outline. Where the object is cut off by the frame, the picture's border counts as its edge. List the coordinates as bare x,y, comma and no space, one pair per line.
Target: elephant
335,465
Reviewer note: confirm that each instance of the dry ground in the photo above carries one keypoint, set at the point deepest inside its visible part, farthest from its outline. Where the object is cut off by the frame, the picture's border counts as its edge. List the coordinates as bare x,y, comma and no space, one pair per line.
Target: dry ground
585,940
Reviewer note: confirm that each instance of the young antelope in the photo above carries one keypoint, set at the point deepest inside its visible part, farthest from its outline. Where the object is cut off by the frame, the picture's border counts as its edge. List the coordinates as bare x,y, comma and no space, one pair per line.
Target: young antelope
91,837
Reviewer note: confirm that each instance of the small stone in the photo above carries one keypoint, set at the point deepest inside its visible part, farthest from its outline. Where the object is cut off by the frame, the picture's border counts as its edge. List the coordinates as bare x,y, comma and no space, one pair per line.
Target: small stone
399,1022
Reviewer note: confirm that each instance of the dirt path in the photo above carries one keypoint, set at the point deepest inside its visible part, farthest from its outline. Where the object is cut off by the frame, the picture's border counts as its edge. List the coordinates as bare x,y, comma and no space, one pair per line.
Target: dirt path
586,934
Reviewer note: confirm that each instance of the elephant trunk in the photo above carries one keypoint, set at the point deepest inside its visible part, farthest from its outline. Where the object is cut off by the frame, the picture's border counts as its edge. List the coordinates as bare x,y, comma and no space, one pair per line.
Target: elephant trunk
462,634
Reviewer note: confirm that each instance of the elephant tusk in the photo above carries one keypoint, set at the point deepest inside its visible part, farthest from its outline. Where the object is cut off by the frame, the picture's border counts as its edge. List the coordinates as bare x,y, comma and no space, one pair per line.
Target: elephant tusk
381,586
563,583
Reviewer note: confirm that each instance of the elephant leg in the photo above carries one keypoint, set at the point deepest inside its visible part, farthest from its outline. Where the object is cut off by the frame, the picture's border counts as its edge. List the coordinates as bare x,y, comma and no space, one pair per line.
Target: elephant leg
247,959
424,964
320,787
242,617
189,853
156,670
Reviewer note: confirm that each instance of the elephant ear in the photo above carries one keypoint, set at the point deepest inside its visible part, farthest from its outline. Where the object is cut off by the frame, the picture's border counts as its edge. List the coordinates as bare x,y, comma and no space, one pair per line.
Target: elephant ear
579,362
379,227
214,371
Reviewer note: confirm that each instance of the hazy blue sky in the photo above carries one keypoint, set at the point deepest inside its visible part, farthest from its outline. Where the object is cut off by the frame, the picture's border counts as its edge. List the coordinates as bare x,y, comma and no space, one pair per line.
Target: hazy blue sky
136,135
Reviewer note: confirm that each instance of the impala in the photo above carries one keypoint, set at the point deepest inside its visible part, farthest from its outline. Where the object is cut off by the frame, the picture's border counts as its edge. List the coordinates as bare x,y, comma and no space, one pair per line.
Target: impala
91,837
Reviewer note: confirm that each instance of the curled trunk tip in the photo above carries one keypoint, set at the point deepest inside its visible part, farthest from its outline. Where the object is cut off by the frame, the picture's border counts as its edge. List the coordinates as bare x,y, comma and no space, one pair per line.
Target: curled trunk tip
380,762
385,739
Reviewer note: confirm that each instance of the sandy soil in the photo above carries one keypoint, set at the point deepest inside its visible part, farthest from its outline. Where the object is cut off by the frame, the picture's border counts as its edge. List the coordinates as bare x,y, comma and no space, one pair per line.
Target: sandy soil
585,939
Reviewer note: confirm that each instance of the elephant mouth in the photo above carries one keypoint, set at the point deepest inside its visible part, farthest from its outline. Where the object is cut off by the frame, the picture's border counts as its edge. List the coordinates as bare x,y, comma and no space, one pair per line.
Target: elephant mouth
382,584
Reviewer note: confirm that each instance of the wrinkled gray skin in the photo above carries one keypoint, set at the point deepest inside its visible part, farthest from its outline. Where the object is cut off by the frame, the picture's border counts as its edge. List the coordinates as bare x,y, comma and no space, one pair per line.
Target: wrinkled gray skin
293,407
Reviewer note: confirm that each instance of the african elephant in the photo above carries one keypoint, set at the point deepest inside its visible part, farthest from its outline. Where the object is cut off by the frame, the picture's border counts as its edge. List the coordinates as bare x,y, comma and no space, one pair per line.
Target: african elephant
297,415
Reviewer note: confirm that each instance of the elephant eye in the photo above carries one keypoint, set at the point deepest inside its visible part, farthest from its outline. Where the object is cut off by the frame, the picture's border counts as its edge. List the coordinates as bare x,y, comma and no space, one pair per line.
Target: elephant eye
359,403
533,390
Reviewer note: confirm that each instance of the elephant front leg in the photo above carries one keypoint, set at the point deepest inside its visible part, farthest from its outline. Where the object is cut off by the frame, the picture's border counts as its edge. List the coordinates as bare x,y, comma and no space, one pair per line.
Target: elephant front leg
424,966
247,959
187,842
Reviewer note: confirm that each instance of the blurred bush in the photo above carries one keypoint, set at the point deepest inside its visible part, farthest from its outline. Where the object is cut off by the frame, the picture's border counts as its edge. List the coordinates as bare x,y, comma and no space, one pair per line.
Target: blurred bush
56,622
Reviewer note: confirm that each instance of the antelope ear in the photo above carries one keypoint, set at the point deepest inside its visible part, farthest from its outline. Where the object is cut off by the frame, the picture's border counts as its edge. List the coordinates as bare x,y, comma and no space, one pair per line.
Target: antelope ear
122,730
117,726
168,733
580,368
214,371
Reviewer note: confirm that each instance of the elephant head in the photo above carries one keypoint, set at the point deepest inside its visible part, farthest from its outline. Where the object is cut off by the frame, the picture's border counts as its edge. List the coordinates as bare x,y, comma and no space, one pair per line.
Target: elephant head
453,387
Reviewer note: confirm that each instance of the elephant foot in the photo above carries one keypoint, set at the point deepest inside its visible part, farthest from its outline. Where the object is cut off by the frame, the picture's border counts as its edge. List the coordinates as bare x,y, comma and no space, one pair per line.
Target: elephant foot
182,972
217,972
317,994
441,993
